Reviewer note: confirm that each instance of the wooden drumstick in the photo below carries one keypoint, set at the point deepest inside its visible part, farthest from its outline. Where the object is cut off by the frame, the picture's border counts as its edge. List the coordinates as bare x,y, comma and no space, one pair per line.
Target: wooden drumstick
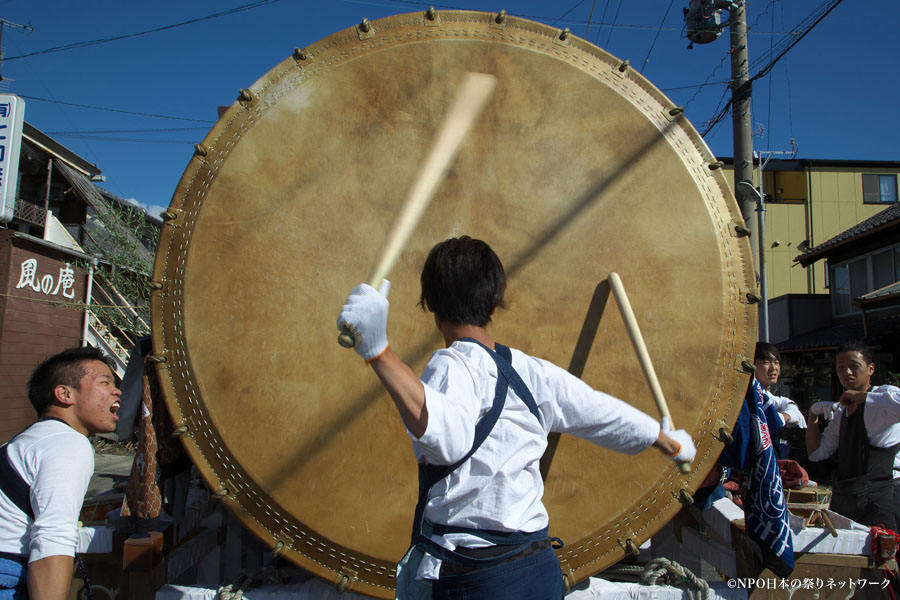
475,91
637,340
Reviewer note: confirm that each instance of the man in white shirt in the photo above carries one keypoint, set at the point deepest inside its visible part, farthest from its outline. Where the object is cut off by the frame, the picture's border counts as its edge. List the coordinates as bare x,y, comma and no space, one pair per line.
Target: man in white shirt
45,471
479,420
865,434
767,361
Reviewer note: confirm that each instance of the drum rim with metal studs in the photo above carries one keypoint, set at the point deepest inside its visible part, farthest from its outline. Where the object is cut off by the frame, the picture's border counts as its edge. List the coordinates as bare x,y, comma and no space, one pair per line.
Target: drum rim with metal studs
578,167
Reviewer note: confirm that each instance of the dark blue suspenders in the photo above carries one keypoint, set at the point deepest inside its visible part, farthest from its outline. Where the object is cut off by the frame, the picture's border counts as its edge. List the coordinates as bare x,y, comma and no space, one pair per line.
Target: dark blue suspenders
431,474
19,492
11,482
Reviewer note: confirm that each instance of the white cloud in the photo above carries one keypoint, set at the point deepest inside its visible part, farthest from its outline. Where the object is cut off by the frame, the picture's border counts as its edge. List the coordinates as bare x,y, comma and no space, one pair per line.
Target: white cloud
150,209
156,209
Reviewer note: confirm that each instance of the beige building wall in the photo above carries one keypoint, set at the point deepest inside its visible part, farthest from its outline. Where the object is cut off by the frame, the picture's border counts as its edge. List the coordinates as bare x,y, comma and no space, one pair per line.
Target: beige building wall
809,206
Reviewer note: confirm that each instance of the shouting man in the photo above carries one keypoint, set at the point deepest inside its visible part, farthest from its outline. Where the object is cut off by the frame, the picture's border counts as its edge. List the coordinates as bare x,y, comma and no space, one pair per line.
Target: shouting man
45,471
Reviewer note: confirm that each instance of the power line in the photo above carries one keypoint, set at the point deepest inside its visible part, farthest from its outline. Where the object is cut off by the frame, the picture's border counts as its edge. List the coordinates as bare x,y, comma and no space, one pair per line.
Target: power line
613,26
816,19
765,70
652,45
72,46
102,138
579,3
155,130
706,83
116,110
719,66
261,3
542,18
602,22
587,29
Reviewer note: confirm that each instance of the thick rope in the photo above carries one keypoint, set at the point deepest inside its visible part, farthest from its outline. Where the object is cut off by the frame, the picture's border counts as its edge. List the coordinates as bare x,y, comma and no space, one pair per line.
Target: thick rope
668,572
87,584
232,591
272,574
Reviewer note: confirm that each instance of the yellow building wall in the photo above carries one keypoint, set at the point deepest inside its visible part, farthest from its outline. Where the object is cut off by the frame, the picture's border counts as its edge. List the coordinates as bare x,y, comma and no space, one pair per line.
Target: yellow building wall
813,206
785,229
837,205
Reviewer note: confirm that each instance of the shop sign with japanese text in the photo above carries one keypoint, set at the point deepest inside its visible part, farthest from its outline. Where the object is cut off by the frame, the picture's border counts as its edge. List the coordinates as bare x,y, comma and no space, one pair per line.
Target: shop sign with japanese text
12,115
47,284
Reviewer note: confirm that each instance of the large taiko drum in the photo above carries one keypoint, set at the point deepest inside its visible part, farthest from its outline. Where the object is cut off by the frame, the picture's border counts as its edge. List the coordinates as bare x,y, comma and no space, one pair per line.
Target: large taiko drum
577,167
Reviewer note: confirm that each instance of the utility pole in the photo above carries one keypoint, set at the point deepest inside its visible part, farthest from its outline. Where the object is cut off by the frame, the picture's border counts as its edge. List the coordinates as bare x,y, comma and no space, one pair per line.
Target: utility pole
740,109
742,127
764,158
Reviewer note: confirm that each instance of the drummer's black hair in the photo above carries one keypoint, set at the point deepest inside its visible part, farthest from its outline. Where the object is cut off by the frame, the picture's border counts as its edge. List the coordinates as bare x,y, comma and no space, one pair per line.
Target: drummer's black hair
856,346
65,368
463,281
765,350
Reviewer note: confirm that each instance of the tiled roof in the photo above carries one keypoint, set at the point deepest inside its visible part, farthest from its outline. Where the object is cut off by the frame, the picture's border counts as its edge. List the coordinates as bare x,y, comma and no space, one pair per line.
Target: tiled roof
837,334
888,291
888,215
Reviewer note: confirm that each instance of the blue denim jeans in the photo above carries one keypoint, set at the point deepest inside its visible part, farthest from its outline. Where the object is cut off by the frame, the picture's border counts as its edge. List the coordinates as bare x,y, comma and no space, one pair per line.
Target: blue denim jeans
536,577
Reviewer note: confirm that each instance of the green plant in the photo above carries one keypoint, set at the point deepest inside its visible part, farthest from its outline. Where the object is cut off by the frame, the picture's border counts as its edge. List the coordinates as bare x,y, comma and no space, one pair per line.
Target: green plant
806,376
892,378
124,242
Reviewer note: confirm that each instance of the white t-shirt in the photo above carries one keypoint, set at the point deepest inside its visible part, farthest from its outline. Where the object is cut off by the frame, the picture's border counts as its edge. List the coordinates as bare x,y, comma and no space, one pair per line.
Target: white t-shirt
500,486
57,462
882,421
787,406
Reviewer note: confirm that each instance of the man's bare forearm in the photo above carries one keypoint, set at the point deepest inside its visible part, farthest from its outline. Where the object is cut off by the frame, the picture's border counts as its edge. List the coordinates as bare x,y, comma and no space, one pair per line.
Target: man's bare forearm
50,578
405,389
813,435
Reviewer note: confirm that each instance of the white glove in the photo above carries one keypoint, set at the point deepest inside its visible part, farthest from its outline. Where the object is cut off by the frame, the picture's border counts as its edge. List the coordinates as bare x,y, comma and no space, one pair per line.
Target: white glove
688,451
365,314
826,409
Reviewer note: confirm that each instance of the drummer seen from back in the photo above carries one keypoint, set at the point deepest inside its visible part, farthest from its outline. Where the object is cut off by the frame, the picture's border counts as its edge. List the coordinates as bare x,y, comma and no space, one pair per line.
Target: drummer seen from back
767,361
864,433
478,419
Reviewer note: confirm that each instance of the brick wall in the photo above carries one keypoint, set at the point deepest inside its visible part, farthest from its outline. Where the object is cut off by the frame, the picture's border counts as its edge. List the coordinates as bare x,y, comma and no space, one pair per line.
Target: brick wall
34,324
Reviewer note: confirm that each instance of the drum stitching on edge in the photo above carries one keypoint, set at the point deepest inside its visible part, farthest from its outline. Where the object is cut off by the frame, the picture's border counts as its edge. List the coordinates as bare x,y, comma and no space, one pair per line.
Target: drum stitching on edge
304,534
270,104
226,464
241,486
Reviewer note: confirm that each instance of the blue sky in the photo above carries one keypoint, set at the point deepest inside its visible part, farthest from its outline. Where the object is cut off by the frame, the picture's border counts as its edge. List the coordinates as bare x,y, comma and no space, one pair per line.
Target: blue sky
835,93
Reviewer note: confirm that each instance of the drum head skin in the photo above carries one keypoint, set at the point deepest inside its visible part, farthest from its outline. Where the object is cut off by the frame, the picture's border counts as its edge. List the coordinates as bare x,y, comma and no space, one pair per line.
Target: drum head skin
577,167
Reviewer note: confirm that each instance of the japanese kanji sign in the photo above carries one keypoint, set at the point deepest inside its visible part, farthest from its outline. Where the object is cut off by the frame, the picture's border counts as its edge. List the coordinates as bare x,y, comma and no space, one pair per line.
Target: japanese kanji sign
47,284
12,116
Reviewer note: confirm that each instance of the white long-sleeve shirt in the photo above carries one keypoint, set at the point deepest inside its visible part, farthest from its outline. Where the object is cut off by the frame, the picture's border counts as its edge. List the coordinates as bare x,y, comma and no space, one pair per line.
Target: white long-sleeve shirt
787,406
500,486
882,421
57,462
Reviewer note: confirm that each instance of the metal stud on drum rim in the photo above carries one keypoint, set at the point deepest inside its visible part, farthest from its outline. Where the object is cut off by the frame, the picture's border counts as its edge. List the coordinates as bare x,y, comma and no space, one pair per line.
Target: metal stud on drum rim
578,167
